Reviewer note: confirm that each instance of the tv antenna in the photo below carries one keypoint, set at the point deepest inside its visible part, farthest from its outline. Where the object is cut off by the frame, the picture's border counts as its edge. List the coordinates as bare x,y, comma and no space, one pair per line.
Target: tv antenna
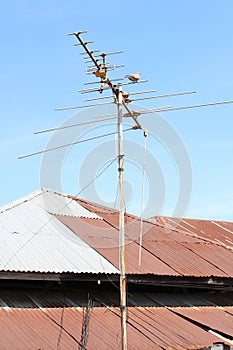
98,66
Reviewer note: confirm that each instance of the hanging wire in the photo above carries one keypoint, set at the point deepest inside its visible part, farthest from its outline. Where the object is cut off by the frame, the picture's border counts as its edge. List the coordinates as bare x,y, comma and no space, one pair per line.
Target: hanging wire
61,321
142,199
117,194
117,187
96,177
85,324
71,144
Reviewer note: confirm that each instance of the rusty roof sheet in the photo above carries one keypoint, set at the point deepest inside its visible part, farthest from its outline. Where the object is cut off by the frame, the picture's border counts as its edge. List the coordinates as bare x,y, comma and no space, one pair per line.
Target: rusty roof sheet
26,298
105,240
179,252
193,259
147,328
38,233
219,319
209,230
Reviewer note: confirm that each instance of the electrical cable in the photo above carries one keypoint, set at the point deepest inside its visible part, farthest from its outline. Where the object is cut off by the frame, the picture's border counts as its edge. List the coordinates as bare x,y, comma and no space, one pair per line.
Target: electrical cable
96,177
142,199
117,194
61,322
85,324
117,188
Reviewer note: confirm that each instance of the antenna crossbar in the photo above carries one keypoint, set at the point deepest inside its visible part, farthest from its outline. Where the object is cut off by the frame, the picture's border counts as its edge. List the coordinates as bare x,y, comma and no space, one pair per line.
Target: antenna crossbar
86,42
98,82
165,95
86,91
71,144
85,106
136,82
187,107
124,94
79,124
85,53
78,33
110,53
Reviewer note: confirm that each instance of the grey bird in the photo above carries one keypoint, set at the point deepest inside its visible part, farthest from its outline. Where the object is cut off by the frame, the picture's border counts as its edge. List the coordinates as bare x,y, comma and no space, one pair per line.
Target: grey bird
133,77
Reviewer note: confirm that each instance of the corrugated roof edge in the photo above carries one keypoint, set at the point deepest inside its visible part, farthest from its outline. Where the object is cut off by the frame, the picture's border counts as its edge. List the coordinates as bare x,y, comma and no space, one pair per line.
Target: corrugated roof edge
37,193
157,217
96,205
102,208
21,200
61,273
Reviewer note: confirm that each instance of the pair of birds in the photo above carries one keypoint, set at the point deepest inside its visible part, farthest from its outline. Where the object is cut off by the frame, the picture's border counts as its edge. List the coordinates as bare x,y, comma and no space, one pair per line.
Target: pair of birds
133,77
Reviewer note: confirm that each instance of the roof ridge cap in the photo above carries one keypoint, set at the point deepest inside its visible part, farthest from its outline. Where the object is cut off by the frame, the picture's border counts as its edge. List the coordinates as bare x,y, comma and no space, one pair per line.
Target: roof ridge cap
20,201
28,197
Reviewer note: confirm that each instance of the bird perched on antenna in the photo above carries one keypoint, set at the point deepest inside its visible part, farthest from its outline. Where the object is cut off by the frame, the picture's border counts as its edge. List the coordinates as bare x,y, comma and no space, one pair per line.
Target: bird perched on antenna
133,77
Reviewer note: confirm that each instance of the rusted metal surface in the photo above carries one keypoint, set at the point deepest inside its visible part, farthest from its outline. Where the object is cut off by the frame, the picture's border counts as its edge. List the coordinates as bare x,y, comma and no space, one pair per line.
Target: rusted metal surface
215,318
209,230
34,240
147,328
193,259
17,298
184,300
106,243
198,248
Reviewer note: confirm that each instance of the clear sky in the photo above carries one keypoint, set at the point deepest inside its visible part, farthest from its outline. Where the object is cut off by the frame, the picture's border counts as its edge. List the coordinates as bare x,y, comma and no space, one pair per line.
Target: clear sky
178,45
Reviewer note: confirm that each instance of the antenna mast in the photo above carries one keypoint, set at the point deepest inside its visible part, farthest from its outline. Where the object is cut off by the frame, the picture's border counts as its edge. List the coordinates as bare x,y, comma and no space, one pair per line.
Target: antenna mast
121,222
122,99
100,71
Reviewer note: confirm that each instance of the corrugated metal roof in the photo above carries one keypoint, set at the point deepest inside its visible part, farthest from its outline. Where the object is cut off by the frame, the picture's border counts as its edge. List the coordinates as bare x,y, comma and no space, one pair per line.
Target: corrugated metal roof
219,319
30,298
147,328
218,232
33,240
181,299
105,241
174,253
35,317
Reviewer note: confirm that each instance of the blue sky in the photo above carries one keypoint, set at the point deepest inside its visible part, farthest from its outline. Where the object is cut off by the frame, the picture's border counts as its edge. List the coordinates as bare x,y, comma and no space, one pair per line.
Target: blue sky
178,45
